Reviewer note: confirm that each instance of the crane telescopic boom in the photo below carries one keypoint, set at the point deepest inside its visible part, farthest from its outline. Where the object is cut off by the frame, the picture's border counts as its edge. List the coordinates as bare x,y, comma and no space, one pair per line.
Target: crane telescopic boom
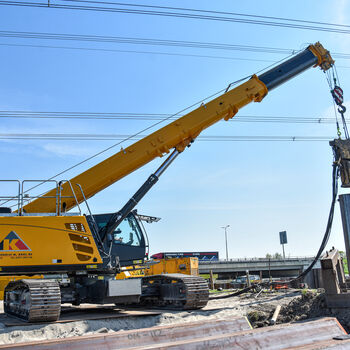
182,131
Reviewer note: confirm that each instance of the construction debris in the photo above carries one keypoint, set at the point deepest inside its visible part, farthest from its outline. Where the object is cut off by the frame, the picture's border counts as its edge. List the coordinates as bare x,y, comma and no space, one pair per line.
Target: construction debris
275,315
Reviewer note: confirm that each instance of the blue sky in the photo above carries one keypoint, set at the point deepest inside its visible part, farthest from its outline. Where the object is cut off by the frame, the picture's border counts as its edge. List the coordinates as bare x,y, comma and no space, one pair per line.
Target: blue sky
258,188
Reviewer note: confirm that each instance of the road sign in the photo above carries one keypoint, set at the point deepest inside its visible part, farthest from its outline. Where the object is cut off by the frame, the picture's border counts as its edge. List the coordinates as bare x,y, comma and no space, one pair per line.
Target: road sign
283,237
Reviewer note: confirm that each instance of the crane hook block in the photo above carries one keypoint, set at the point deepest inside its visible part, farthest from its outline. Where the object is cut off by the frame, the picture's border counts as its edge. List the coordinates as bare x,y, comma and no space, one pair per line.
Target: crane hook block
341,150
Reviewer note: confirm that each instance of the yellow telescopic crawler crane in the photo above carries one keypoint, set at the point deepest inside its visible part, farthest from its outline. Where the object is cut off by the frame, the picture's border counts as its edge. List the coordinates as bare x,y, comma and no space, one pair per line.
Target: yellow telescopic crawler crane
41,237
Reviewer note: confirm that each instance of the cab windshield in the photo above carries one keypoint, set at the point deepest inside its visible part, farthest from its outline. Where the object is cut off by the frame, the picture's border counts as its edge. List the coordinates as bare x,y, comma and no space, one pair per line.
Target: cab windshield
127,233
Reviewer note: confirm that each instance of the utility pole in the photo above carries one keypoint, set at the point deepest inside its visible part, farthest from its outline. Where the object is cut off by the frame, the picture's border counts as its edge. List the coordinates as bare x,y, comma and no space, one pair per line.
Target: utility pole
225,228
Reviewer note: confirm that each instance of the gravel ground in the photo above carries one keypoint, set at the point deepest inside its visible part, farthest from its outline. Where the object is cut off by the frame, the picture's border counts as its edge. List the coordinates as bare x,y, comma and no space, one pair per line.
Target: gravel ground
258,311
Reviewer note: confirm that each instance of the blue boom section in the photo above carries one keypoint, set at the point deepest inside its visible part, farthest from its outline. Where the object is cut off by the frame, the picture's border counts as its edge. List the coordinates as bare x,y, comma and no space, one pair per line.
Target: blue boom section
289,69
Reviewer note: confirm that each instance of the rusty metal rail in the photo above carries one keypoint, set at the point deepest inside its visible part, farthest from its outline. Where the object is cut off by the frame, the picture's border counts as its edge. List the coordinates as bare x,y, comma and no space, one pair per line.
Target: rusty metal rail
141,337
213,334
279,337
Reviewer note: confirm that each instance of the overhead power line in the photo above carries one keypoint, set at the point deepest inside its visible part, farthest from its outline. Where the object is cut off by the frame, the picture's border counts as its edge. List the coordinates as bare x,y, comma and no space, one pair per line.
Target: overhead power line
207,11
150,53
117,137
153,42
150,41
187,14
144,52
160,116
143,41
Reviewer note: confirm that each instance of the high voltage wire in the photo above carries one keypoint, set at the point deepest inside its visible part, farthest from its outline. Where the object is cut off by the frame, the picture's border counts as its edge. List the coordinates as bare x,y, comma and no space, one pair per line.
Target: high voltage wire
321,26
208,11
159,116
153,42
104,137
150,52
145,52
147,41
142,41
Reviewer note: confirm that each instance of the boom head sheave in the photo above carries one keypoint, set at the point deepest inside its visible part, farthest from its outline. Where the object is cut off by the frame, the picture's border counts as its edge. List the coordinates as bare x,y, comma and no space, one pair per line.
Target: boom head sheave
325,60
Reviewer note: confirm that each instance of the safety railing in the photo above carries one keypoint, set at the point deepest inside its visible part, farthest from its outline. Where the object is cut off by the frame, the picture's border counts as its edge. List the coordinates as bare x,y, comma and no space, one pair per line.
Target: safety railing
13,204
8,199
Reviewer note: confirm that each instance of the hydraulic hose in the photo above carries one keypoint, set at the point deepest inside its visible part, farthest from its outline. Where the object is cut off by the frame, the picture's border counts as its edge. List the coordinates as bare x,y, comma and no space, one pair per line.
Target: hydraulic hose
335,175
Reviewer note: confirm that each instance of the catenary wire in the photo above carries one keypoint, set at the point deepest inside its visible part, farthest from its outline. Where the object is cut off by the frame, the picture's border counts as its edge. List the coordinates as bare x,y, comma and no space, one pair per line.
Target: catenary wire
149,52
331,29
208,11
143,52
103,137
158,116
153,42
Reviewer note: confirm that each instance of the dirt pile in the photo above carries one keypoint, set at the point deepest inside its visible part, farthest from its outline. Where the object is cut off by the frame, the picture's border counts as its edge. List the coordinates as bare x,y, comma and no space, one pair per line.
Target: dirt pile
307,306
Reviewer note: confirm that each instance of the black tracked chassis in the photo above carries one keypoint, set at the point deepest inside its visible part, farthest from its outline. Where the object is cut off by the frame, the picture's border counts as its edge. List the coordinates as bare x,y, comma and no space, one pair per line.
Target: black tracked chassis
39,300
33,300
175,291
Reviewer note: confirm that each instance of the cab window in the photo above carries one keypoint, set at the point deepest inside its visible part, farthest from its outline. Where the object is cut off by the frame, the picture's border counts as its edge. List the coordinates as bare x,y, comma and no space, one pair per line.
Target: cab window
127,233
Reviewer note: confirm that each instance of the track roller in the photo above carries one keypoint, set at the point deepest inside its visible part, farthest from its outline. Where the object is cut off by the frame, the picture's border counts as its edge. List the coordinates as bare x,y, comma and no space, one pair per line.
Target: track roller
175,291
33,300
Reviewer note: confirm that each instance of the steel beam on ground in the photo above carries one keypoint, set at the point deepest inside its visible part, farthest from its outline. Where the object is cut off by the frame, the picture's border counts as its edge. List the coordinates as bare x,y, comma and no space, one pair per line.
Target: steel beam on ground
218,334
141,337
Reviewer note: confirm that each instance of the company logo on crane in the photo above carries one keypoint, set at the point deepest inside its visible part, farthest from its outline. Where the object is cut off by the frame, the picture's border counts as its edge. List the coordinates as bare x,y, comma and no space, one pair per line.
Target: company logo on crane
12,242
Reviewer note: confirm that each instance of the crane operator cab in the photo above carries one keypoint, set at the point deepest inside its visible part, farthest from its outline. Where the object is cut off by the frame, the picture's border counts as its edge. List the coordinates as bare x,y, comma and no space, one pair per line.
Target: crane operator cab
127,241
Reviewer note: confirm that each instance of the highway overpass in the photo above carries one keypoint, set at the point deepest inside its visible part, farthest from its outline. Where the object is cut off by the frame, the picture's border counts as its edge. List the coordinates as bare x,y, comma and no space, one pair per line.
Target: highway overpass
269,267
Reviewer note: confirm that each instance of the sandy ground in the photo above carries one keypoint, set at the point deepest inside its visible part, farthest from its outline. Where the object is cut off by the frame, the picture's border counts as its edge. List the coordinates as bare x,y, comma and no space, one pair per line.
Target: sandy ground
259,309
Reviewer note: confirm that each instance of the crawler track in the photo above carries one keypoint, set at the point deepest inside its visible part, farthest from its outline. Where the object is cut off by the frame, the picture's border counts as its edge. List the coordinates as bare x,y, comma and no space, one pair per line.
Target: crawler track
33,300
175,291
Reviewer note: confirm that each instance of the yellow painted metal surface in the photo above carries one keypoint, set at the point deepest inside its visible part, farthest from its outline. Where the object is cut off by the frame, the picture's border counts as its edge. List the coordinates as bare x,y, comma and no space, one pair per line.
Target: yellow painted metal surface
187,266
4,281
177,134
130,272
46,241
325,61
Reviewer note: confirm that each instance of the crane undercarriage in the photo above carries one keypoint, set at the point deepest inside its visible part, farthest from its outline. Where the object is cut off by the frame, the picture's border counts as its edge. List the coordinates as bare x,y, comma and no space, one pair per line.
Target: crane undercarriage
39,300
